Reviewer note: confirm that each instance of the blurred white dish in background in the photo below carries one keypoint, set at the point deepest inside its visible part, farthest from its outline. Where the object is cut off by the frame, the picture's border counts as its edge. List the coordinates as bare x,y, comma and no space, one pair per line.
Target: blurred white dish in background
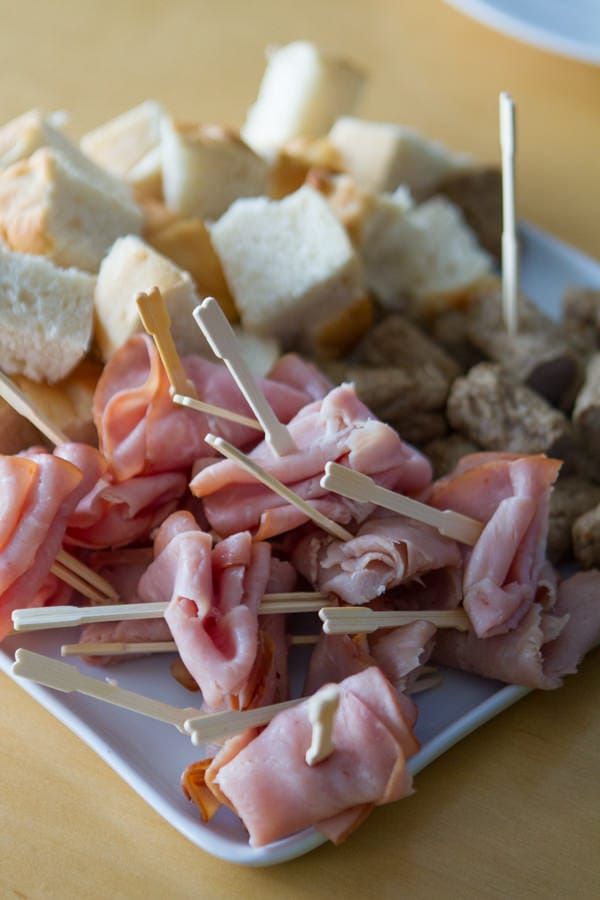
568,27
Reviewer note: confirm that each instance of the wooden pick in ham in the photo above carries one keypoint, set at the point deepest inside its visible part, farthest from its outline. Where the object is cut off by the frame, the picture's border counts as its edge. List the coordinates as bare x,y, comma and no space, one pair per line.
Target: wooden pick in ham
155,318
210,410
220,335
510,245
47,617
122,648
231,452
322,708
362,620
356,486
221,725
21,404
62,677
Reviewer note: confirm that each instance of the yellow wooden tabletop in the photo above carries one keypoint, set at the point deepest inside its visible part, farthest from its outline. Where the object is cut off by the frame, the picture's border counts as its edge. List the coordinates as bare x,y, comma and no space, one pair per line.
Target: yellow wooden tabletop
514,810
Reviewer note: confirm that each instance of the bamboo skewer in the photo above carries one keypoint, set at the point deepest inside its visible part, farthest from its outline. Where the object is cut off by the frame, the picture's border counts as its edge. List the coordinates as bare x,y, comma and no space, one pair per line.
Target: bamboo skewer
322,708
80,568
356,486
73,580
231,452
221,725
221,337
359,620
41,618
510,245
123,648
425,684
218,411
155,318
15,397
66,678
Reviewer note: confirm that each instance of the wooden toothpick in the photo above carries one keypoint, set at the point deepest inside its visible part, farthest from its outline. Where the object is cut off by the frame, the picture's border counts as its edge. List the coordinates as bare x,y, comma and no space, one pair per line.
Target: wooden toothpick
155,318
15,397
322,708
219,726
210,410
220,335
356,486
127,648
510,246
362,620
231,452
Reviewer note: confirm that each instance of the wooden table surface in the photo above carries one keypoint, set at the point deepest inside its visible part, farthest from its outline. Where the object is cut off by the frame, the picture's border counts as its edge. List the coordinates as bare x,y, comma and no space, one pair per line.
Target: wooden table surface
514,810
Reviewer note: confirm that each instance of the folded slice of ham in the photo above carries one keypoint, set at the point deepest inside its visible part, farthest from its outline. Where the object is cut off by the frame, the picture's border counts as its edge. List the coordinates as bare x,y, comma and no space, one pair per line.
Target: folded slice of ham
387,551
511,495
542,649
265,778
296,372
40,492
140,429
338,428
402,652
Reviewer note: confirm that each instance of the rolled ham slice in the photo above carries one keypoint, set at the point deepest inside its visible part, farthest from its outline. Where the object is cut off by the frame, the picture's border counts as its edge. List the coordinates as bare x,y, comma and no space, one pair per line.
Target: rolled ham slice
543,648
338,428
265,780
402,652
511,495
387,551
140,429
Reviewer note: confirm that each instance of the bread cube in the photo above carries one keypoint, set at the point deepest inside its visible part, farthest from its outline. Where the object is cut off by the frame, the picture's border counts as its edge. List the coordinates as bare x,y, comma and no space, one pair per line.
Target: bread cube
129,147
302,93
133,266
21,137
46,208
289,264
46,315
206,168
382,156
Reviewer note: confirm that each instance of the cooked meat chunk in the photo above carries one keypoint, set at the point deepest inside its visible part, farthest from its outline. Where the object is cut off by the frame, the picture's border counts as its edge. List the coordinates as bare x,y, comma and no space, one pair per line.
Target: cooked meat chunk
445,452
571,498
478,193
586,538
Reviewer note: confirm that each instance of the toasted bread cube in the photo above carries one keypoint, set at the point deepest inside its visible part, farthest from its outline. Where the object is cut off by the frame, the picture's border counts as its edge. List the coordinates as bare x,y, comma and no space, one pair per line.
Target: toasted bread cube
187,243
302,93
206,168
289,264
21,137
47,209
131,267
46,315
382,156
129,146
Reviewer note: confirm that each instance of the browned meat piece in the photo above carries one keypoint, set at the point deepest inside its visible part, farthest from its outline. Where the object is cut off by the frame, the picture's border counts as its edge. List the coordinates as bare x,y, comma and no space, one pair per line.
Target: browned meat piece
586,414
413,402
445,452
499,413
586,538
572,496
478,193
450,329
397,342
581,320
537,355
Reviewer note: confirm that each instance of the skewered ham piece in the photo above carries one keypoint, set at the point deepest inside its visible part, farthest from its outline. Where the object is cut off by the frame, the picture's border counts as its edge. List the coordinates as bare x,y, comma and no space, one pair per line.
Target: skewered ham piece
511,495
388,550
264,778
338,428
542,649
142,431
40,492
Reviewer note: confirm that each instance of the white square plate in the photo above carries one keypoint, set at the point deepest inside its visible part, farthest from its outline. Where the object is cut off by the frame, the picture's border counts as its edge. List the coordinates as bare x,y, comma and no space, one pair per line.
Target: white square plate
151,756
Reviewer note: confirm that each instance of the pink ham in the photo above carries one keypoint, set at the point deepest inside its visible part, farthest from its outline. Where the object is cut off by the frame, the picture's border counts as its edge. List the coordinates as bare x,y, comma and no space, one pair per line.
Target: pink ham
214,595
543,648
511,495
339,428
302,375
402,652
40,491
141,431
387,551
267,782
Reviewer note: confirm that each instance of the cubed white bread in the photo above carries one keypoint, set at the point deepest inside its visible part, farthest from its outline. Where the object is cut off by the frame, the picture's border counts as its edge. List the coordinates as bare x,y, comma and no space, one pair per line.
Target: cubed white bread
45,316
381,156
129,147
133,266
289,263
261,353
21,137
302,93
206,168
68,404
46,208
426,253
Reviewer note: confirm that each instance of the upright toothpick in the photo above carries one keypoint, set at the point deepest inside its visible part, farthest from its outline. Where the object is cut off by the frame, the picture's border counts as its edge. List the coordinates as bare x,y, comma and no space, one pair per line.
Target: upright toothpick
510,246
155,318
221,337
322,708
